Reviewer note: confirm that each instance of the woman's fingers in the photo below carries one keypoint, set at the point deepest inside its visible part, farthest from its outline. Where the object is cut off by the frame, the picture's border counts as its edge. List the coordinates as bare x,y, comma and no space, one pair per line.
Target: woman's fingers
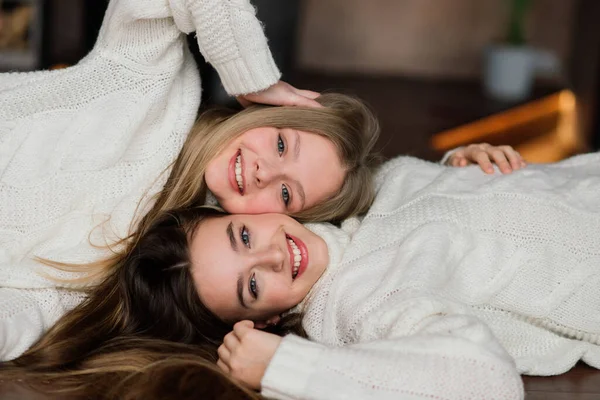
500,159
308,93
243,102
230,341
224,353
514,158
302,101
222,366
483,159
241,328
505,157
281,94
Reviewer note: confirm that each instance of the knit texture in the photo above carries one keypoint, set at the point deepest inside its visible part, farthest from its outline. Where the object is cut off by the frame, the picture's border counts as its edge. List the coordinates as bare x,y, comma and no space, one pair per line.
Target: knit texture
452,279
87,144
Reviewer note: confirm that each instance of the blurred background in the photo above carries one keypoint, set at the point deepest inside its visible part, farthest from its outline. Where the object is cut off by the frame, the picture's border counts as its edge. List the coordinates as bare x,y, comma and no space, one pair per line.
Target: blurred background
438,73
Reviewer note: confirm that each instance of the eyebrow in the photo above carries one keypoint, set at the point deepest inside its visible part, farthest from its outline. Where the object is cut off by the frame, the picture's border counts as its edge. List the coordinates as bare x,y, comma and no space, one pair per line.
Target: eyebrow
300,194
240,290
299,188
232,240
297,146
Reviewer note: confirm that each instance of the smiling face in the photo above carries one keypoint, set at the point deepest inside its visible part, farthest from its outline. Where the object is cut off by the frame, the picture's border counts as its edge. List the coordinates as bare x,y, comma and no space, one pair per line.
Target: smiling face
267,170
255,266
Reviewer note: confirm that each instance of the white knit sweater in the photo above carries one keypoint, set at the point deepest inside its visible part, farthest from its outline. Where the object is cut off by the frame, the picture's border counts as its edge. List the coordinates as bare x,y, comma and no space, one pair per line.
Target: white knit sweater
451,270
79,144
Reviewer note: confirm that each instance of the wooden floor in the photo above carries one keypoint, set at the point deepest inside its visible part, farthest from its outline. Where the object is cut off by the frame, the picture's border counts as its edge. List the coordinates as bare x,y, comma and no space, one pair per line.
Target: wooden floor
580,383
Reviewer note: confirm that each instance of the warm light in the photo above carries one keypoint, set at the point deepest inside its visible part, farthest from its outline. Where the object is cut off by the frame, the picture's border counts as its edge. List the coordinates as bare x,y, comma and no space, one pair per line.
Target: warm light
539,145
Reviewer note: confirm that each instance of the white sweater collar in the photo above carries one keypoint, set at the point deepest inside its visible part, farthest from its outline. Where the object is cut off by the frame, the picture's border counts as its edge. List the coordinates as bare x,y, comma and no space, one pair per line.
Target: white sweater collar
337,239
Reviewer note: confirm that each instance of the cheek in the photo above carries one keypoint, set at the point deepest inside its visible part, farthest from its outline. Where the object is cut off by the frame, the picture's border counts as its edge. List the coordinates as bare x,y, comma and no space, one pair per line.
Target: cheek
280,298
259,144
260,203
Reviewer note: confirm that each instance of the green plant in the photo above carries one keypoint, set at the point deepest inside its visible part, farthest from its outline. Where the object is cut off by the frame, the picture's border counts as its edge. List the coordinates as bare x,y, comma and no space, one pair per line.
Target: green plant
516,29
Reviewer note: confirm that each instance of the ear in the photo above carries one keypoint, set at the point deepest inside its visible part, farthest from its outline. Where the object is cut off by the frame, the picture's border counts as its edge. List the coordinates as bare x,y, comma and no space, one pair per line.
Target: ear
270,322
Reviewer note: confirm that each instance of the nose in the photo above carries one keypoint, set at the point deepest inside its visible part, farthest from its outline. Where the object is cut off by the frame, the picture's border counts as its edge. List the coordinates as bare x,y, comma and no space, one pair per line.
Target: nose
264,173
272,257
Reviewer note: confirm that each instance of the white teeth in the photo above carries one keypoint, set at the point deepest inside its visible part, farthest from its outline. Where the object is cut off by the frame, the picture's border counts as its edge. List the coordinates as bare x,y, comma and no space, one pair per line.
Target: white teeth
238,172
297,258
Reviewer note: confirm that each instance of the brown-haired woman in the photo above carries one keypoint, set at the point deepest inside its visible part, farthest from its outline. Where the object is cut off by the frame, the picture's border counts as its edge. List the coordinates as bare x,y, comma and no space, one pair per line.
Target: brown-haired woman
86,152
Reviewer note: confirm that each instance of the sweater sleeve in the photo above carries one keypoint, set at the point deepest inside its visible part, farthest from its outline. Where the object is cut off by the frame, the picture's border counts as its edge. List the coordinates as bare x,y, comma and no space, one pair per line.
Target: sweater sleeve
230,37
25,314
232,40
443,356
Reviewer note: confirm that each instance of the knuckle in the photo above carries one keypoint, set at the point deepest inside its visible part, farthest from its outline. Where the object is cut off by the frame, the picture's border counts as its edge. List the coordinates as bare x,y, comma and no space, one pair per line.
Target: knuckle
235,367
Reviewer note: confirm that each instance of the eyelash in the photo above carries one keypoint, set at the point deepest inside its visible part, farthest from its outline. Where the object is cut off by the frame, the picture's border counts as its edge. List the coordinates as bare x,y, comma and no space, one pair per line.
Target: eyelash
285,195
285,192
245,238
280,145
245,234
253,287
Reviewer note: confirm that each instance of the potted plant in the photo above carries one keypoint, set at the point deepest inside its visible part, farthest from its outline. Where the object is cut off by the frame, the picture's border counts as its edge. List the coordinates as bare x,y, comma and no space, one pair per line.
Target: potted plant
510,66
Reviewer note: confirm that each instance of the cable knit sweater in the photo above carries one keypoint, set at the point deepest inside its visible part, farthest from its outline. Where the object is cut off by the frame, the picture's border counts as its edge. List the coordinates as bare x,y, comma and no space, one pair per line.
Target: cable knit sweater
79,144
452,279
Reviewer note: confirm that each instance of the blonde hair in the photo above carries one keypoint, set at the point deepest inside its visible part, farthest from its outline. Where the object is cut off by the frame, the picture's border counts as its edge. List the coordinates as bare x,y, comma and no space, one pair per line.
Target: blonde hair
344,120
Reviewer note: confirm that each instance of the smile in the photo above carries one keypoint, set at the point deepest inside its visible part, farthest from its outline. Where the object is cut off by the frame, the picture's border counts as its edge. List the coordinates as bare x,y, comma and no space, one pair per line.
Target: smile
236,173
298,256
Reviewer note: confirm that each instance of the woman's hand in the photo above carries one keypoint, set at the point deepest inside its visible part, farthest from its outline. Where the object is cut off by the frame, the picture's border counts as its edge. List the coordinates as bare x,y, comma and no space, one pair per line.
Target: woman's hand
505,157
246,352
281,94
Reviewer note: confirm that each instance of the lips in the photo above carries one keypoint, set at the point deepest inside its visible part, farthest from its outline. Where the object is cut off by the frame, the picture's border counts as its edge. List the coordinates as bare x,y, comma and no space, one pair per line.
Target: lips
303,252
231,174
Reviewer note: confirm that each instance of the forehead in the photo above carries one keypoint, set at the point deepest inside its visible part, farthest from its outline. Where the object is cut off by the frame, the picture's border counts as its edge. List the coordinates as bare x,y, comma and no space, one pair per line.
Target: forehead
321,170
214,266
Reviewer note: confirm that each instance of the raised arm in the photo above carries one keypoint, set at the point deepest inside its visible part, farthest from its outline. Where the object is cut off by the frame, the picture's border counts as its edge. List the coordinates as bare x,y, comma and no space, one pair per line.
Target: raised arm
152,32
231,39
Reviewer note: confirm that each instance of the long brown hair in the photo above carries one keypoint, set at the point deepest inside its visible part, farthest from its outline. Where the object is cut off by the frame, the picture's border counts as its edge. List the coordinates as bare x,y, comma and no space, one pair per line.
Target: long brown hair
145,319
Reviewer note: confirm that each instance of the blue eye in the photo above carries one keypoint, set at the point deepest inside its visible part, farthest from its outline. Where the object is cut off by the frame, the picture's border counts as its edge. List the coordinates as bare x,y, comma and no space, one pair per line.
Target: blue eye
253,287
245,236
280,145
285,195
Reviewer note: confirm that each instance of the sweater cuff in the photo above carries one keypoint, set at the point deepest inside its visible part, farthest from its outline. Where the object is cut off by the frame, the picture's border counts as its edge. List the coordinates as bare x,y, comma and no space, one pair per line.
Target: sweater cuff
292,365
250,74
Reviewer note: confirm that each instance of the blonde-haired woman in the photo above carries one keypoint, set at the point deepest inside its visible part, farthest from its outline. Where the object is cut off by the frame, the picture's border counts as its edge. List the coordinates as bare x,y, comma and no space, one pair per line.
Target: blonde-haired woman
86,151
